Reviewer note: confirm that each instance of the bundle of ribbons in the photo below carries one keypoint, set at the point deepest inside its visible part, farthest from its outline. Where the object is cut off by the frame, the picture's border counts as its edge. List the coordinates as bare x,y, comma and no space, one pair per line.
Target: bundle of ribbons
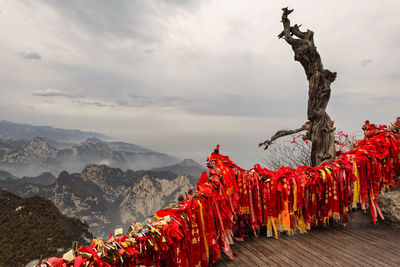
230,202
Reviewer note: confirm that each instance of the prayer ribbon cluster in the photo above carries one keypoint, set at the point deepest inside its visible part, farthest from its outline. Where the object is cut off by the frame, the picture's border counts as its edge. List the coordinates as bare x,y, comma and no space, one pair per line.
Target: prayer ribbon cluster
231,201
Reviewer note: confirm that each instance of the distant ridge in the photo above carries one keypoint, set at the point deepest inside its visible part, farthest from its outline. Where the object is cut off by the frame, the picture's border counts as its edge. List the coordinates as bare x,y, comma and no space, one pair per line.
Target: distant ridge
4,175
187,166
35,156
14,131
9,181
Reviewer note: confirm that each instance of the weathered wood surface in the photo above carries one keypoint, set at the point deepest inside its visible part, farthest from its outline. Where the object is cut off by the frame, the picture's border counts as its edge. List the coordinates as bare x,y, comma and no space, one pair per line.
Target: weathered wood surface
361,243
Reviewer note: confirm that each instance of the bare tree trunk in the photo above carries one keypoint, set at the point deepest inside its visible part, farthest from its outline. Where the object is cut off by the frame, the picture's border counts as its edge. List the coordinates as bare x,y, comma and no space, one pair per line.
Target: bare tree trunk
321,131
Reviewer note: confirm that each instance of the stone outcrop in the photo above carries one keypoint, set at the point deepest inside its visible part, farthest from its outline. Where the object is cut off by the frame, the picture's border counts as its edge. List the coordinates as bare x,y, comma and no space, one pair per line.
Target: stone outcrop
390,205
107,197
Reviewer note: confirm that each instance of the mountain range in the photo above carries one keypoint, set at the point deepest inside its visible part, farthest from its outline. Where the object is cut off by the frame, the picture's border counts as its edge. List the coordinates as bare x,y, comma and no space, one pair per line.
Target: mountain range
32,157
95,180
15,131
28,150
106,197
33,227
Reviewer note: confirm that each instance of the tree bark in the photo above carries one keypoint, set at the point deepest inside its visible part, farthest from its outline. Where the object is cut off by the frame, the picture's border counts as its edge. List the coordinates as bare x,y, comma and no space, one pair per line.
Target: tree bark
321,131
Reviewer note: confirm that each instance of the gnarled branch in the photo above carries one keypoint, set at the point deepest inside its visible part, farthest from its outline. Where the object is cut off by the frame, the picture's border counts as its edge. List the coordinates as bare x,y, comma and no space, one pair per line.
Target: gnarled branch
283,133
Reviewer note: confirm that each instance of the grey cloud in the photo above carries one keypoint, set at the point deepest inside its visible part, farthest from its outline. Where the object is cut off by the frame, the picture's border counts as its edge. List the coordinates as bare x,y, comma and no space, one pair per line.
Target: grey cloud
247,105
184,3
93,103
109,87
393,76
126,19
135,100
97,83
366,62
50,92
124,103
122,19
123,38
226,104
30,56
238,26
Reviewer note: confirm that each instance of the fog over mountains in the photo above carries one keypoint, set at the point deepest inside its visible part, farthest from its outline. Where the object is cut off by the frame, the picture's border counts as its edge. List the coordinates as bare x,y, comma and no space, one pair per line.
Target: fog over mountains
27,150
107,197
95,181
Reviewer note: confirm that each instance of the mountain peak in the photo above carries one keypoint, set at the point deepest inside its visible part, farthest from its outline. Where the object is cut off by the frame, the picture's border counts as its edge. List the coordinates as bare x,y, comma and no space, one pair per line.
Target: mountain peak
39,147
187,166
94,140
38,141
190,163
101,174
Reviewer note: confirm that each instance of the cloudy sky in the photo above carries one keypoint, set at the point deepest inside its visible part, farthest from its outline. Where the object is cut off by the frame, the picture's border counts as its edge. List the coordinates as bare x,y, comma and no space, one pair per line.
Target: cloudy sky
180,76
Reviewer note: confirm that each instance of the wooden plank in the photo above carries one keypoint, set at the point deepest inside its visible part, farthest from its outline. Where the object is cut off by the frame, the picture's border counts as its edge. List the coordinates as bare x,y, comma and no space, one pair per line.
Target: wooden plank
337,251
315,245
360,243
267,260
372,235
299,243
379,227
378,250
253,257
375,234
349,243
266,252
386,234
278,252
291,254
242,259
363,221
303,258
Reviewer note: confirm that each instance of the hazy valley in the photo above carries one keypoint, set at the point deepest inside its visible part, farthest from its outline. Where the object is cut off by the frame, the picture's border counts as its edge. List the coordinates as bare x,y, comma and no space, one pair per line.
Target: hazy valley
94,178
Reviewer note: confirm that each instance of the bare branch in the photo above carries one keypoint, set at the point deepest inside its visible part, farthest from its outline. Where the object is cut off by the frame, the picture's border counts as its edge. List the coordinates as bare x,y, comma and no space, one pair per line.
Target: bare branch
287,153
286,26
282,133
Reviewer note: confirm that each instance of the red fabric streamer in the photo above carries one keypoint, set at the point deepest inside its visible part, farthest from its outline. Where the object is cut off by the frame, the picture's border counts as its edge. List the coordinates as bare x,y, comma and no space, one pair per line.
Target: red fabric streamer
231,202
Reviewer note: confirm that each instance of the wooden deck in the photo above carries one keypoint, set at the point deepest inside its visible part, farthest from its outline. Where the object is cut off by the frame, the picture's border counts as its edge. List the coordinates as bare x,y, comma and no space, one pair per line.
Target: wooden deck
361,243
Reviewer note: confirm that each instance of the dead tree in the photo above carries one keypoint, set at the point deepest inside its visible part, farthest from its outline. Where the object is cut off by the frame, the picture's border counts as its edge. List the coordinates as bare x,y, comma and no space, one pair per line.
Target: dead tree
319,127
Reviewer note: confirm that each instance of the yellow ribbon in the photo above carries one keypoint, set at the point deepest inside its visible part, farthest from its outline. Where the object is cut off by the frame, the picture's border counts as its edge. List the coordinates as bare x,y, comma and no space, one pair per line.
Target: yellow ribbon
204,233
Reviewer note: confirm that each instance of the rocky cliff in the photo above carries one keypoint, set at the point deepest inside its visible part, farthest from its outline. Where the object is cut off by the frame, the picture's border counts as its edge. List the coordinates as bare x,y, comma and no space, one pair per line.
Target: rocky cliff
389,203
107,197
